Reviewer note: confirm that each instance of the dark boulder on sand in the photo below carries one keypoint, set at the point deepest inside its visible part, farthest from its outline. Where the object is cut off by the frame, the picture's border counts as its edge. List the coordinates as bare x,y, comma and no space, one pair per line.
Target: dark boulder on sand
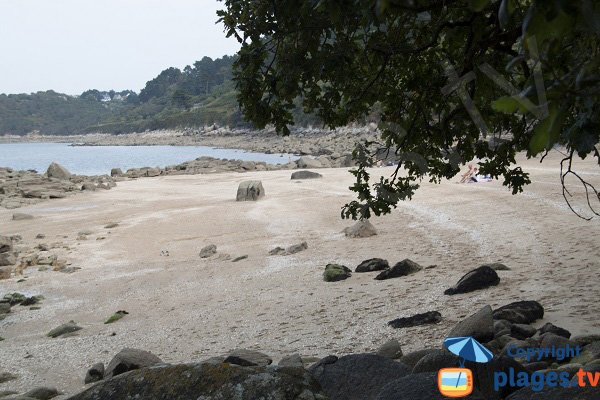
477,279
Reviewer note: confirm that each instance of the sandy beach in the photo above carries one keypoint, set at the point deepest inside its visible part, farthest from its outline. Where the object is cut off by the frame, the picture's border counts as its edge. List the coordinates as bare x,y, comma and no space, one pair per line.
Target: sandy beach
184,308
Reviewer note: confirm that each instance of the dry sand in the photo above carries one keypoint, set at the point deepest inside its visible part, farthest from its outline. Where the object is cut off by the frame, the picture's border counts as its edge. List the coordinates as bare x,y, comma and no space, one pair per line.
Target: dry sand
184,308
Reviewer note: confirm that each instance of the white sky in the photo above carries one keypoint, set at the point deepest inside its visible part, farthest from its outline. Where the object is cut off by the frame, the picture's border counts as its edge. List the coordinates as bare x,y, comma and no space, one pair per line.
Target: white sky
74,45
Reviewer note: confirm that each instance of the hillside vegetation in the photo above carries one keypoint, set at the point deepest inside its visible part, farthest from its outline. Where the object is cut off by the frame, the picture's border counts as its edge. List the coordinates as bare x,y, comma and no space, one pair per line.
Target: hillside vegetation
201,94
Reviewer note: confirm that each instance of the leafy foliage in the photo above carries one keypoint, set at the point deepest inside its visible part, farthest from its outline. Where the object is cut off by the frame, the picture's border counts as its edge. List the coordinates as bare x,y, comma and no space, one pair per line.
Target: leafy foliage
453,80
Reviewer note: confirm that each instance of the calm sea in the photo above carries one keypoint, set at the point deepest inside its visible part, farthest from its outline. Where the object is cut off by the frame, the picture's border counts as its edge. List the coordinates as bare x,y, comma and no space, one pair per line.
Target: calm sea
98,160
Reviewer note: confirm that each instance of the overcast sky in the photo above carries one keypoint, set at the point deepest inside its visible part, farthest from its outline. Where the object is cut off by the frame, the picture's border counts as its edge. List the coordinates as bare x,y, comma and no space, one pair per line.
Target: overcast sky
74,45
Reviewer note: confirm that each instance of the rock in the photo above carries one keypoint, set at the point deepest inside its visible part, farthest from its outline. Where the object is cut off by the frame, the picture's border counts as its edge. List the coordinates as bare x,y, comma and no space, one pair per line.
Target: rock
435,361
362,229
588,354
390,349
403,268
88,186
430,317
522,331
479,326
41,393
40,236
584,340
248,358
296,248
558,393
549,327
336,272
95,373
4,308
64,329
372,264
6,244
5,271
240,258
305,175
536,366
483,376
152,172
130,359
498,267
520,312
277,251
307,162
250,191
111,225
479,278
21,217
209,381
14,298
357,376
423,386
57,171
208,251
292,361
501,327
6,377
116,172
116,316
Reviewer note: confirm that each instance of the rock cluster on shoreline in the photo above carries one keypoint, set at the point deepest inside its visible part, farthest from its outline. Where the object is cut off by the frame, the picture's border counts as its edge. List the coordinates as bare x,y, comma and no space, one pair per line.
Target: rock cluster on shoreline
387,374
21,188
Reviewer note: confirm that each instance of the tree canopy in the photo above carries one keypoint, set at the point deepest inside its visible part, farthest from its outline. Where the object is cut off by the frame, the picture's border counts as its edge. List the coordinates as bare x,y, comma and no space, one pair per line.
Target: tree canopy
453,81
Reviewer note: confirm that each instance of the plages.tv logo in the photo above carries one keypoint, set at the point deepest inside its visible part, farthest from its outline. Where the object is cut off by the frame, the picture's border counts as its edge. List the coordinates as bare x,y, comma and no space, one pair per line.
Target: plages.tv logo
458,382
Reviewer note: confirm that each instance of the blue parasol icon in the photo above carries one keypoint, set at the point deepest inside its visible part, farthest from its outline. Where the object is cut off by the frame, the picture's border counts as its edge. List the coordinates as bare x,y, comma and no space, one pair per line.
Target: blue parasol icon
468,349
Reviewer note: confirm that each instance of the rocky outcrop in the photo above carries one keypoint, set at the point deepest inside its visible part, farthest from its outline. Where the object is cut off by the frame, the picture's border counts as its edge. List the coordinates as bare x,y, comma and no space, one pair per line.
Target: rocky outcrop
357,376
210,381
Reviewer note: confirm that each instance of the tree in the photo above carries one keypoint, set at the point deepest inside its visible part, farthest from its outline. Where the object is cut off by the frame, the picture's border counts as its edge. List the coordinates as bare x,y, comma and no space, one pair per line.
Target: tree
182,99
453,80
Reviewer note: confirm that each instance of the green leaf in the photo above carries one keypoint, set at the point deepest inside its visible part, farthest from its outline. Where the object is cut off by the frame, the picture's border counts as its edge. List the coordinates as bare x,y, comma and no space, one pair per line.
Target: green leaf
508,105
547,133
538,26
478,5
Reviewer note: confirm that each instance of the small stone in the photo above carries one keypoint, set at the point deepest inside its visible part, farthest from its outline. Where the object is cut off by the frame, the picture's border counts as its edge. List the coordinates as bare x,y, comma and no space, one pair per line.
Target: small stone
240,258
362,229
292,361
41,393
21,217
390,349
111,225
430,317
64,329
208,251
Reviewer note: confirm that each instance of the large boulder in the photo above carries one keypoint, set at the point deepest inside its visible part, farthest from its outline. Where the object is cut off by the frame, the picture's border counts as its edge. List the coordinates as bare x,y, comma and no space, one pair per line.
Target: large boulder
479,278
483,376
435,361
479,326
403,268
130,359
298,175
94,374
423,386
520,312
250,191
357,376
210,381
371,265
361,229
57,171
390,349
307,162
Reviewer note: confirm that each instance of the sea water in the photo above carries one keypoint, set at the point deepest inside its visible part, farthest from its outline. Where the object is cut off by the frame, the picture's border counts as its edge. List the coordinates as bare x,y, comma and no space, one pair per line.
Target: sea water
99,160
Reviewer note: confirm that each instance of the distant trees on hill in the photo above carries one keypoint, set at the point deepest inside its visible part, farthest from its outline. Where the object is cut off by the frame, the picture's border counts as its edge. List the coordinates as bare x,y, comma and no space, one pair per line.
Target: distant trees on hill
200,94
